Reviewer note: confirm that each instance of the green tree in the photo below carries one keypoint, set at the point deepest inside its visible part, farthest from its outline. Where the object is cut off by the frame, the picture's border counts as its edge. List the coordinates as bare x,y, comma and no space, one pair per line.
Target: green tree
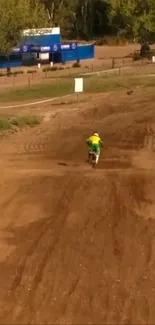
79,18
134,18
61,13
16,15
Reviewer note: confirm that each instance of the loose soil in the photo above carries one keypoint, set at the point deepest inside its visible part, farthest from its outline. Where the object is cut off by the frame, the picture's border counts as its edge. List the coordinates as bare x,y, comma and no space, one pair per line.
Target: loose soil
77,244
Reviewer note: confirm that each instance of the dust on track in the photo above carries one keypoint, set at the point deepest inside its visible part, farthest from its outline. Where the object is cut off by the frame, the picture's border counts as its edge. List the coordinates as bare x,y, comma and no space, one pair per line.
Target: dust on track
77,245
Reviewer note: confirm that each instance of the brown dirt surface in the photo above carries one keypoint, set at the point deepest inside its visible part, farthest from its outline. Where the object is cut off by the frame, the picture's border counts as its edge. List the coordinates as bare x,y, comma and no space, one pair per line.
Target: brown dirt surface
76,243
115,51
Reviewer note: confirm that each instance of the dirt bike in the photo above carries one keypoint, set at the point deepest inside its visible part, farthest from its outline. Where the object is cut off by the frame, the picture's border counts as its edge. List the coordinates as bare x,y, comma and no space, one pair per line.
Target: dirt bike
92,158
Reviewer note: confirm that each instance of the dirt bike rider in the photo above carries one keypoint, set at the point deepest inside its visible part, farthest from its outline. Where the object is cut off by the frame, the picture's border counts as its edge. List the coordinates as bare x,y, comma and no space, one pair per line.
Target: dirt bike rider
95,143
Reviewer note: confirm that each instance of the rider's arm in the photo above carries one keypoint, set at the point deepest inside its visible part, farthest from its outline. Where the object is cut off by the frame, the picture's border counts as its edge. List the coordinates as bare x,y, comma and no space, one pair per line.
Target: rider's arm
88,141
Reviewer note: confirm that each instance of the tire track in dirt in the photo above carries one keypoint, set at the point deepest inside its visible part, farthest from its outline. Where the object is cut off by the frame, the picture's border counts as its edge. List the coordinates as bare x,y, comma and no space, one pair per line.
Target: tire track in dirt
124,221
60,219
45,231
37,144
100,242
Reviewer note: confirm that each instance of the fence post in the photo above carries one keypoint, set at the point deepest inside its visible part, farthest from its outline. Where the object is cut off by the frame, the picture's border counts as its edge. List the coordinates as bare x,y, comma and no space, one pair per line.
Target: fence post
13,80
29,81
113,63
45,73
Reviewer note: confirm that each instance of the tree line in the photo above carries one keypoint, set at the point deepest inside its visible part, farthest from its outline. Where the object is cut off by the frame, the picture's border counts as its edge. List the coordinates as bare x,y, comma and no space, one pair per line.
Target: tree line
78,19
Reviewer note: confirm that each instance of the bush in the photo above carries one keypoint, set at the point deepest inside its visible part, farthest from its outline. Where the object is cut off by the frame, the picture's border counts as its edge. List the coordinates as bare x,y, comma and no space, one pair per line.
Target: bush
100,42
136,56
53,69
76,65
4,124
18,72
50,69
112,40
9,74
32,71
15,73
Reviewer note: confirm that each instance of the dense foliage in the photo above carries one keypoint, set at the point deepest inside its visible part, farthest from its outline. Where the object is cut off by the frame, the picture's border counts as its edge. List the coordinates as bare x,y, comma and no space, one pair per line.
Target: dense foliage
16,15
134,19
80,19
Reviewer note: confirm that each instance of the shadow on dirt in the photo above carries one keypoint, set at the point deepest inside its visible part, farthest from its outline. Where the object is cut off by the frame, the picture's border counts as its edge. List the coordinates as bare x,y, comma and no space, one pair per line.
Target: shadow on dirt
103,164
63,164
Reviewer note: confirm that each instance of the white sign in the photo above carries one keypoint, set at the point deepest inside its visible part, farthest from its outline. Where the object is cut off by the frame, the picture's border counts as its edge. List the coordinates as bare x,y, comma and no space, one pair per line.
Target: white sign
41,31
153,59
65,46
44,56
78,85
16,49
45,48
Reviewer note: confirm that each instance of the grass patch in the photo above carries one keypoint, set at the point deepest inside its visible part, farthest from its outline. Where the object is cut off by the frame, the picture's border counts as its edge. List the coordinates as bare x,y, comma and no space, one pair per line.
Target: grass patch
65,86
109,83
19,121
23,121
55,89
5,124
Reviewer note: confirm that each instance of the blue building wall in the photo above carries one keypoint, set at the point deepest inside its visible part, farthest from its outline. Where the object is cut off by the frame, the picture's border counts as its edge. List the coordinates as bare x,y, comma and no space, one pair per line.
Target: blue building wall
68,56
11,64
60,51
85,52
81,53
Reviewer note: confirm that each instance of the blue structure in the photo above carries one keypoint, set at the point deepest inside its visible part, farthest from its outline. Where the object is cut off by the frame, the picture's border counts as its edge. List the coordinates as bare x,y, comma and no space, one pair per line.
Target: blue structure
45,46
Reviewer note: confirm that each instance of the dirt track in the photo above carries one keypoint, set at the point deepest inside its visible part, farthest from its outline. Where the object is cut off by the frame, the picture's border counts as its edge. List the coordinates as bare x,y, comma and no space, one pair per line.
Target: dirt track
76,244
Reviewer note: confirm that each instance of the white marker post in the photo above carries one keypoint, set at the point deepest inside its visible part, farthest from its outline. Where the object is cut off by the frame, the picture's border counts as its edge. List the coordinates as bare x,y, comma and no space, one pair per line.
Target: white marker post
78,86
153,59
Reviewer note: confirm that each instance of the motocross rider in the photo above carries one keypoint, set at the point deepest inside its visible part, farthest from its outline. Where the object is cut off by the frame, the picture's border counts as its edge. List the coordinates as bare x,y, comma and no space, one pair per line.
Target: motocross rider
95,143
